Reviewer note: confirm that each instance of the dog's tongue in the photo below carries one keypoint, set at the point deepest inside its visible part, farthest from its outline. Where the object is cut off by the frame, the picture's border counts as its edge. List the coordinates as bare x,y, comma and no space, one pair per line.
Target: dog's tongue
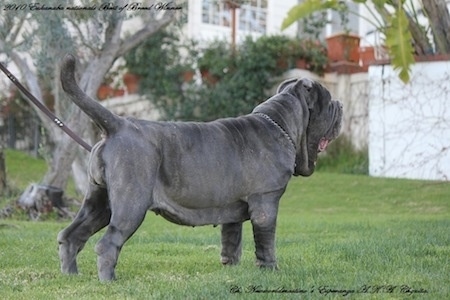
323,143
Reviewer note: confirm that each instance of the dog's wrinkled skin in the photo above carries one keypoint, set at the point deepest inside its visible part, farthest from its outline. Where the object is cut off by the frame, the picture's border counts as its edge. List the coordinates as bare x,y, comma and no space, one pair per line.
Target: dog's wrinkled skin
221,172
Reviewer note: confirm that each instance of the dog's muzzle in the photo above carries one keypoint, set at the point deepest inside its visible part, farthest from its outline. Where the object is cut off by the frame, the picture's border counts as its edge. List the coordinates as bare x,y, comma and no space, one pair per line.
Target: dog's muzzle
335,126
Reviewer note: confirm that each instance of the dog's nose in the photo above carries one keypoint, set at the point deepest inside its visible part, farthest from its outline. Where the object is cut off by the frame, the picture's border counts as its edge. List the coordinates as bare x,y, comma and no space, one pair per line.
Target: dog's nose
307,83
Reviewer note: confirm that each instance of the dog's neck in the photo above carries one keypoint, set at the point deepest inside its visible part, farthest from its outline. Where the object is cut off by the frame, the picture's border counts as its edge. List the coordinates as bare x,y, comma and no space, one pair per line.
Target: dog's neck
288,137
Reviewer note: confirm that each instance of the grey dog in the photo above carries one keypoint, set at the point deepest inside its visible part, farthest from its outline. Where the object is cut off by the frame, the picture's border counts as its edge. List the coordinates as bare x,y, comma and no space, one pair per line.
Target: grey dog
222,172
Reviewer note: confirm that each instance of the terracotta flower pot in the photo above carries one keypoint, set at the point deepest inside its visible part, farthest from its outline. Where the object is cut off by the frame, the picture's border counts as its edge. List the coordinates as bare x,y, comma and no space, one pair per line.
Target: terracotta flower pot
367,57
301,64
343,47
188,75
131,82
104,91
282,64
119,92
208,77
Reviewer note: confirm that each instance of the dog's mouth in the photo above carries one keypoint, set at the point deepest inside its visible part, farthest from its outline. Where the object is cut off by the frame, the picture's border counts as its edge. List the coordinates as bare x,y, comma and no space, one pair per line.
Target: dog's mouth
333,130
323,144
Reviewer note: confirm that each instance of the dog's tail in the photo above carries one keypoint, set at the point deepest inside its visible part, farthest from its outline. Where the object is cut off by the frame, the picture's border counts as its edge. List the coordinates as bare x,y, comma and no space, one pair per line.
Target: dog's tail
105,119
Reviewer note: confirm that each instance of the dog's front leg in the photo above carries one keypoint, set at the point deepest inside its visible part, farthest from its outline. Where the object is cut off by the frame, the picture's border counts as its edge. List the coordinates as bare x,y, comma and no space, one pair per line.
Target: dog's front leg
263,211
231,243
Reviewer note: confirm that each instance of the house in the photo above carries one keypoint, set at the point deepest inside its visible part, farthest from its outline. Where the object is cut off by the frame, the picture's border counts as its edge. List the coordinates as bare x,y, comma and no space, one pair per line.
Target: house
212,19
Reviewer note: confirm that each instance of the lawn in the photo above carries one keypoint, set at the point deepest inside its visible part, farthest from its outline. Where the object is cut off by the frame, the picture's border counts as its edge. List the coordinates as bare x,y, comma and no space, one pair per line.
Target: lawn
338,236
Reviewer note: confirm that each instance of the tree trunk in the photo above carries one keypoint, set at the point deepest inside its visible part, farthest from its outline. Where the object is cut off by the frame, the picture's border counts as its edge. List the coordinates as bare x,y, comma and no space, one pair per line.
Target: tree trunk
42,199
59,169
79,168
439,18
421,42
3,185
67,155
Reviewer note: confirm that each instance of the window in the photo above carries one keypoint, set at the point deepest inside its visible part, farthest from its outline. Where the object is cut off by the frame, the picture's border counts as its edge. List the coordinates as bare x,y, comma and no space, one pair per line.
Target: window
215,12
250,17
253,16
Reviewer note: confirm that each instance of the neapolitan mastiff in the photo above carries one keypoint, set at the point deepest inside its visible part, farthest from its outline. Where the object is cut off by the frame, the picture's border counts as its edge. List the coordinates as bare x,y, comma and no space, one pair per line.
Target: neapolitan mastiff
221,172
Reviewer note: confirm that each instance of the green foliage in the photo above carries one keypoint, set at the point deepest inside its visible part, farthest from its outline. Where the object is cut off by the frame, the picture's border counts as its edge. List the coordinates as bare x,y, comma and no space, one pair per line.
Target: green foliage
216,58
339,231
398,40
275,45
238,80
306,9
313,25
157,58
245,80
316,56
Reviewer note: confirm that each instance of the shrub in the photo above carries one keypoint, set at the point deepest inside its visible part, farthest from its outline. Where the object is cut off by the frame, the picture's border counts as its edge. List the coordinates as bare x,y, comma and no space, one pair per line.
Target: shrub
342,157
237,80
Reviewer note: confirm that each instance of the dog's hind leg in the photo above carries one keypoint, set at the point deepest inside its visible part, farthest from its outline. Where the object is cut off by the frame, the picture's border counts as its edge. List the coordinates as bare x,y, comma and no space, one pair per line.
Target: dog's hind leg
93,215
128,211
231,243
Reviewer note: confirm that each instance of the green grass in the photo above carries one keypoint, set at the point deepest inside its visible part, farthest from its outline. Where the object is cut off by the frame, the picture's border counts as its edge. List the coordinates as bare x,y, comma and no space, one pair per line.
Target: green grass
22,170
335,232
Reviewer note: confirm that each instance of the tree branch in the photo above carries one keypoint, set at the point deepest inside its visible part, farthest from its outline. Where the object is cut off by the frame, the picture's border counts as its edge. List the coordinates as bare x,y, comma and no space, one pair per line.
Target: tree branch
151,27
81,36
439,19
18,27
30,79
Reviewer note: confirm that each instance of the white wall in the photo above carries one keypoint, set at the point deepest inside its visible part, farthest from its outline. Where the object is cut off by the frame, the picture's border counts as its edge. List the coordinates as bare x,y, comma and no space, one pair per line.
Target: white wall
276,12
409,125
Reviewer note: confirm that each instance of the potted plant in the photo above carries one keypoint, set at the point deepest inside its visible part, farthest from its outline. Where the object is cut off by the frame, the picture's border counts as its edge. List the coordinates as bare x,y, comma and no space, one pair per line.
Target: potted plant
343,47
119,92
131,82
298,53
277,47
189,51
215,61
105,89
317,54
188,74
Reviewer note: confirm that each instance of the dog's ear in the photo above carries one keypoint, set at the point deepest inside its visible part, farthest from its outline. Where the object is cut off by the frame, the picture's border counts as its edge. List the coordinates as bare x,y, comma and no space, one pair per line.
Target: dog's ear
282,87
294,87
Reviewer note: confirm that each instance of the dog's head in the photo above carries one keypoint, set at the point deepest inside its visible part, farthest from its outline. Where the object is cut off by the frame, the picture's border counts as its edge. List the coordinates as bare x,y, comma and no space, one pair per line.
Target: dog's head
324,118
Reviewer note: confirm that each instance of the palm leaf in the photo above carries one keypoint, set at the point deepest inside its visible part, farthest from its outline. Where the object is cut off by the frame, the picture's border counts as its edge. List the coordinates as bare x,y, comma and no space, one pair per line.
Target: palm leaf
399,43
306,9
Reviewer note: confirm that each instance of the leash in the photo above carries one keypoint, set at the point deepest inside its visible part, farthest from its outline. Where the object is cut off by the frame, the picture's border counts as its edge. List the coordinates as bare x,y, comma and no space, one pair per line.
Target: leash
45,110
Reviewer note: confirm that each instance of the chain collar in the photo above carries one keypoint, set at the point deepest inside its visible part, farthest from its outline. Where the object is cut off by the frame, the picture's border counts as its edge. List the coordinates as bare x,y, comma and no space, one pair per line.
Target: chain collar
278,126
